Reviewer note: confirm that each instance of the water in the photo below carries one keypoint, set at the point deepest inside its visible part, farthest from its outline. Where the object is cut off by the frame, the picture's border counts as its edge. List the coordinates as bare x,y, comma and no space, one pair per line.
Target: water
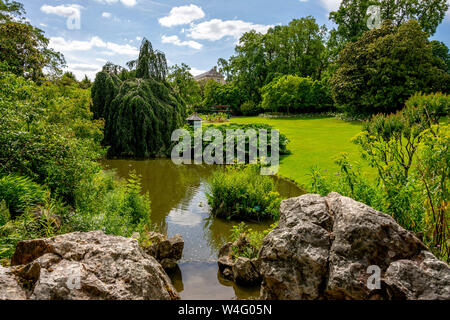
179,205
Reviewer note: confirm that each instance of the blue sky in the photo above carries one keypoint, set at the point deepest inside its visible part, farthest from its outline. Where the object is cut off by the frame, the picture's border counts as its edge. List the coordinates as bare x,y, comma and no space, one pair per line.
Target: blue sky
196,32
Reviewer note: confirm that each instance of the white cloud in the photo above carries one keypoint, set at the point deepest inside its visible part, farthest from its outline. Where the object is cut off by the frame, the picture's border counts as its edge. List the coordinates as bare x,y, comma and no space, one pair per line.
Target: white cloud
217,29
182,15
82,69
62,10
60,44
128,3
176,41
195,72
106,15
330,5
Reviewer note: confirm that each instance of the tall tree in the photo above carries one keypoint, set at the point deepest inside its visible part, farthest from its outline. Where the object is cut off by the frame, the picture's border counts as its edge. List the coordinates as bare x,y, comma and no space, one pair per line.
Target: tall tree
351,17
23,47
184,84
381,70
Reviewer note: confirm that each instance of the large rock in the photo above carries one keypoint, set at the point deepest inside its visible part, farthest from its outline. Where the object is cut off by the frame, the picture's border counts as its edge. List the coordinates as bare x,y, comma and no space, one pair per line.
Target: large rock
323,247
245,272
166,251
9,286
84,266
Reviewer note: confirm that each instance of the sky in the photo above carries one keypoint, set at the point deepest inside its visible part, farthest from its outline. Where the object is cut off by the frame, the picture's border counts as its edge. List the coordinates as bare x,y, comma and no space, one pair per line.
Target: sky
197,32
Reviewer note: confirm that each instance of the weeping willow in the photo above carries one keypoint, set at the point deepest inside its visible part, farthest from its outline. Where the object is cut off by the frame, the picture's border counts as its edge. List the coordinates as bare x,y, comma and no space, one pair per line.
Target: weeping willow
139,107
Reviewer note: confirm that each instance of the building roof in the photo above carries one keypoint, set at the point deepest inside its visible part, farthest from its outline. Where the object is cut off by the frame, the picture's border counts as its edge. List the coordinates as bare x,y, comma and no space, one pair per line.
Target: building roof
194,117
213,73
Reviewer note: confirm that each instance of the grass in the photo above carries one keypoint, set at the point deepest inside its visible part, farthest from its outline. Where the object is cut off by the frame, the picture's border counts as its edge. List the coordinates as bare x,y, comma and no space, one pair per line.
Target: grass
313,142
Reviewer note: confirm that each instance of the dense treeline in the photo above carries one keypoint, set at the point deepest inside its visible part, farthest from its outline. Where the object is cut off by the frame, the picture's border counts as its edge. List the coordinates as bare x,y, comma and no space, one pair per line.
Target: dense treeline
50,179
303,67
139,106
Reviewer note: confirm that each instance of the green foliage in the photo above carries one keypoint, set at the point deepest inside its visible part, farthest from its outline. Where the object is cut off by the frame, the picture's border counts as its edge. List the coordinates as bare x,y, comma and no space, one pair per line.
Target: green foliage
249,108
19,193
47,136
141,119
296,49
32,55
383,68
140,113
216,94
351,17
409,150
283,141
112,205
184,84
433,172
295,94
243,193
5,216
247,242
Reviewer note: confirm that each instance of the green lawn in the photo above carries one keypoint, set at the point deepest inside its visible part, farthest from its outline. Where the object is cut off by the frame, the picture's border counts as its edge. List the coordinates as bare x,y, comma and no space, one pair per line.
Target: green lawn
313,142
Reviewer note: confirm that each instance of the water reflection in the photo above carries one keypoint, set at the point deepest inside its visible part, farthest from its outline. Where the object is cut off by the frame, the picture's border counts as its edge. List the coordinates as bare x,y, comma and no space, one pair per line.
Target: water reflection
179,205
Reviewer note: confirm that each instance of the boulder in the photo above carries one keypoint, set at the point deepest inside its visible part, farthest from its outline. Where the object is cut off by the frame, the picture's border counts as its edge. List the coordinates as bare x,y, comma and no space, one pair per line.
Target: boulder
9,285
324,247
89,266
166,251
245,272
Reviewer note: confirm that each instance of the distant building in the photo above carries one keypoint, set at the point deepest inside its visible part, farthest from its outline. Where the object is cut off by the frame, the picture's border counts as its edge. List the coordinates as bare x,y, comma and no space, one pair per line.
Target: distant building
212,74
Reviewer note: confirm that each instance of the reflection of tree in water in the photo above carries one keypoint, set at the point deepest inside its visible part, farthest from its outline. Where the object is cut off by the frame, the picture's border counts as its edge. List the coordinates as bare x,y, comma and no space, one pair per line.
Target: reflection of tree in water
168,184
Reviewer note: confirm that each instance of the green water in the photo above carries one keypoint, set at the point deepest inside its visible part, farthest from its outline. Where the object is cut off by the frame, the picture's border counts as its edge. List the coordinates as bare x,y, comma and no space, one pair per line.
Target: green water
179,205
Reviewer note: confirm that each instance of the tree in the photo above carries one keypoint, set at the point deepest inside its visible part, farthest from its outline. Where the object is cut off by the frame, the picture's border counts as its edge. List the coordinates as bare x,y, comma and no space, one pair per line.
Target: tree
296,49
441,54
150,64
140,112
86,83
295,94
104,90
185,85
351,17
381,70
23,47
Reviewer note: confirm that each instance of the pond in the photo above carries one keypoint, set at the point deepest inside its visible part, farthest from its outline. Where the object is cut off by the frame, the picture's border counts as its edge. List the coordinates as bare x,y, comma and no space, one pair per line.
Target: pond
179,205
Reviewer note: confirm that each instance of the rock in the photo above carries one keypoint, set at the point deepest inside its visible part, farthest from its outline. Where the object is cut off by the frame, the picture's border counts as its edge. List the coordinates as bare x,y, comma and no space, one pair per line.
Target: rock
177,244
10,288
323,246
424,279
294,256
91,265
169,265
166,251
245,272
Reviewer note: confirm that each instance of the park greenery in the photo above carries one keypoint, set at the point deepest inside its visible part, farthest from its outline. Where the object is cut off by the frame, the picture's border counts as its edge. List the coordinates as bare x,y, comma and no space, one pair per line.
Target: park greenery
54,129
242,193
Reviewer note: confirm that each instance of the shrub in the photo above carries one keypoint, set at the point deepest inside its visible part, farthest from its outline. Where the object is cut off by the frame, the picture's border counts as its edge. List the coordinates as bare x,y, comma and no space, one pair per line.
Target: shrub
247,242
410,152
240,192
110,204
249,108
295,94
19,192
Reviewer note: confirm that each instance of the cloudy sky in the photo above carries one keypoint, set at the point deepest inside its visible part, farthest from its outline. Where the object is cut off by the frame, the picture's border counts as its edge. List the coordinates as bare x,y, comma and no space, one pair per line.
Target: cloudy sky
196,32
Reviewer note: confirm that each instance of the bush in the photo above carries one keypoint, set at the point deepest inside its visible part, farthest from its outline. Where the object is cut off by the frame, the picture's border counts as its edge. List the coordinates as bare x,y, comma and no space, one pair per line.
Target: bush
295,94
247,242
250,108
19,192
383,68
240,192
112,205
409,151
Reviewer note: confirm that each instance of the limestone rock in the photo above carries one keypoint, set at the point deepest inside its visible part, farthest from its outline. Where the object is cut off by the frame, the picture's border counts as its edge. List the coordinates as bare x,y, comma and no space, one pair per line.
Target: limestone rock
323,247
91,265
